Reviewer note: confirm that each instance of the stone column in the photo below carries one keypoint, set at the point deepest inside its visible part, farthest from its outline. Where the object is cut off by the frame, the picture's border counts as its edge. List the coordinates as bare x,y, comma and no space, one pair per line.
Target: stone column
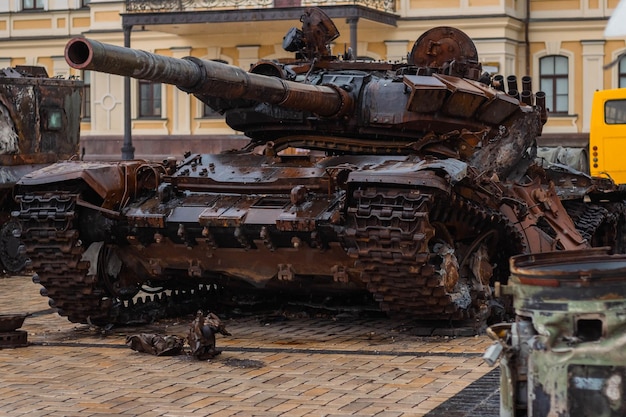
248,55
592,76
181,113
352,22
397,50
60,67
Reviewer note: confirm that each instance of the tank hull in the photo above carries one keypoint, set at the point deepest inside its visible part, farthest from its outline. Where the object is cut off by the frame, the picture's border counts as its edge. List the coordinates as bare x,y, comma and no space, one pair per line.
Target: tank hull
408,183
245,223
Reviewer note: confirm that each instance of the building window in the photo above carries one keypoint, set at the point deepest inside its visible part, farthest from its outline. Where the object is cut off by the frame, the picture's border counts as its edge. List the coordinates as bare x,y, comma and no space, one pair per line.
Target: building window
209,113
622,72
149,99
32,4
553,74
84,3
85,109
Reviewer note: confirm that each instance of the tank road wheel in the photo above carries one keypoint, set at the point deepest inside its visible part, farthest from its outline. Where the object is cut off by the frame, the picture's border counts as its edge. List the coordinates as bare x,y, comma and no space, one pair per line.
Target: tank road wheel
132,299
466,269
116,277
121,286
11,254
480,241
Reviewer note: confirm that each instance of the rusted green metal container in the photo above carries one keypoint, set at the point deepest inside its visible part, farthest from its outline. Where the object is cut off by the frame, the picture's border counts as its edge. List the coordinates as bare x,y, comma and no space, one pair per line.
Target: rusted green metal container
567,349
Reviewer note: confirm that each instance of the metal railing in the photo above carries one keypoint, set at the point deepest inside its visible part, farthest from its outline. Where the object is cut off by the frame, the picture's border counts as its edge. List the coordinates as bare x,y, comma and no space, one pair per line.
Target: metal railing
164,6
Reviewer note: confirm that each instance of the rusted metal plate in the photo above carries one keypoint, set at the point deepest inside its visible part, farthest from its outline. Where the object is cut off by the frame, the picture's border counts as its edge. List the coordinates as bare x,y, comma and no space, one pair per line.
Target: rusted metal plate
427,93
229,211
17,338
11,322
39,116
498,106
435,47
464,99
304,217
591,267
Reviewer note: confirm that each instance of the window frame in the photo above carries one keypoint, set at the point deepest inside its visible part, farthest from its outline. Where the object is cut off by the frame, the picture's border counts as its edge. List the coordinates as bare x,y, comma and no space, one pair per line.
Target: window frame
209,113
151,98
85,106
621,72
37,5
553,78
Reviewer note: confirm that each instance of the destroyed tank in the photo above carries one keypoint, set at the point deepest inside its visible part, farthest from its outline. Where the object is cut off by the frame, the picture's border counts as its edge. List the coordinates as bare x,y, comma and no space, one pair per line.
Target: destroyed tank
39,125
412,183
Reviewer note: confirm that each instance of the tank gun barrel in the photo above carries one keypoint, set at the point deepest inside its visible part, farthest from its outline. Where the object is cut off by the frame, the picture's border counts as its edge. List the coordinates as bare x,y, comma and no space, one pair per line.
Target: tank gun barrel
209,78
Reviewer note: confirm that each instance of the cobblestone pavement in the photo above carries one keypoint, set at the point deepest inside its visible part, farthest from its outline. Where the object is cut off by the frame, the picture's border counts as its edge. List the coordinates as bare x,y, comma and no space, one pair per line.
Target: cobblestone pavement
295,367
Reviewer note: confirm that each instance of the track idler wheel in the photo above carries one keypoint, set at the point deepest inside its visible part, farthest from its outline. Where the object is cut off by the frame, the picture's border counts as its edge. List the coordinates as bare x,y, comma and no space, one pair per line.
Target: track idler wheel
12,253
117,278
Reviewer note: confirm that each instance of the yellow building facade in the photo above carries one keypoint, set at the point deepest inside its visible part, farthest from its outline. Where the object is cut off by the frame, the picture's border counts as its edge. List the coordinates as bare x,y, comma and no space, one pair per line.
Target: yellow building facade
559,43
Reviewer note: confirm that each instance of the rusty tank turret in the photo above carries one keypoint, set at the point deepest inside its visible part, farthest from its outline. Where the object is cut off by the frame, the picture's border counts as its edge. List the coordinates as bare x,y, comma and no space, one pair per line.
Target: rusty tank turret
39,125
411,183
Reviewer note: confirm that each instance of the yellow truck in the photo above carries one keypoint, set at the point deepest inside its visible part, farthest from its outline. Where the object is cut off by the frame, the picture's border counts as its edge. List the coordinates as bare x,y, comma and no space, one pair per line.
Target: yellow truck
603,154
590,176
607,137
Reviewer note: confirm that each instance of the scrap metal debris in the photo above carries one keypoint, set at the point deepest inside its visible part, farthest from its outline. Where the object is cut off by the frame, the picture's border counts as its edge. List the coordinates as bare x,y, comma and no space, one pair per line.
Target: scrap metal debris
201,336
156,344
200,339
10,336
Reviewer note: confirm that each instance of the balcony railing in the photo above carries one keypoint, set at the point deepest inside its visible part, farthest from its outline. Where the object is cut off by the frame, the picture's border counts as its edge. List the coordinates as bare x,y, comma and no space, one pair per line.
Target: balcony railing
164,6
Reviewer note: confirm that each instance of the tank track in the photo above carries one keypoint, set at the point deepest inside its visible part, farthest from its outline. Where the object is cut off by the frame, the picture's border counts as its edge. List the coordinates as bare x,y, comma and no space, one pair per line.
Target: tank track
56,253
600,225
390,232
587,217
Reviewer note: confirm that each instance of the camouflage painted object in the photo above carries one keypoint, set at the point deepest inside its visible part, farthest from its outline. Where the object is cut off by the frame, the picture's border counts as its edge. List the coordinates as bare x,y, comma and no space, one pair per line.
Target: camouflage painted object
565,354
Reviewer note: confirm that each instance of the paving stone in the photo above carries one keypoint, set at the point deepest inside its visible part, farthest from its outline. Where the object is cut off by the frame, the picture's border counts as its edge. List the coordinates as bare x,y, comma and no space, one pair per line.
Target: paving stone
289,368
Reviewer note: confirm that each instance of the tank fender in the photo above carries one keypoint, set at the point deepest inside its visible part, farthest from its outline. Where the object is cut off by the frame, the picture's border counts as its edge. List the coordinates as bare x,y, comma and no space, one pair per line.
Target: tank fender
410,173
12,174
113,182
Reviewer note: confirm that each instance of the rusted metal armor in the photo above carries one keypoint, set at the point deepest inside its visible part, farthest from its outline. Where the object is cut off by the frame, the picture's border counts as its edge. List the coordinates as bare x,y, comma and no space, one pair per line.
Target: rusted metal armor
39,125
414,182
156,344
565,353
201,337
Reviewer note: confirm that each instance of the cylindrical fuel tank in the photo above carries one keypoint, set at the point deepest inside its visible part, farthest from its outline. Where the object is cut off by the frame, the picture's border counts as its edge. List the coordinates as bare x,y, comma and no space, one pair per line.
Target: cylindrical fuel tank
576,303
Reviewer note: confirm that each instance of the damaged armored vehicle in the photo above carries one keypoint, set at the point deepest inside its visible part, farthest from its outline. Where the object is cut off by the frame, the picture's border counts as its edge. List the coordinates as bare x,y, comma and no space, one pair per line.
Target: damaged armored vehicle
39,125
413,183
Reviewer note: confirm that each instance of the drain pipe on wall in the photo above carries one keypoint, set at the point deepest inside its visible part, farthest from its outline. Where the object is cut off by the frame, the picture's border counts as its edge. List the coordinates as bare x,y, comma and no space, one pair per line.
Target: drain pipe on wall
526,36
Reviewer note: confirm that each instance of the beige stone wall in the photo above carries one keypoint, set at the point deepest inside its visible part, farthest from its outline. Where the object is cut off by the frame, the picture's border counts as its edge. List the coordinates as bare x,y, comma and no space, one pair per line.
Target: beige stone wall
573,28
